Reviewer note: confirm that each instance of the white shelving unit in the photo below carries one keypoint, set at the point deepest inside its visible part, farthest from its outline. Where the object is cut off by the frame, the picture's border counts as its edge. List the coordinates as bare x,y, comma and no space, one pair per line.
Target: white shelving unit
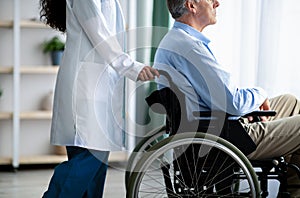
20,146
16,115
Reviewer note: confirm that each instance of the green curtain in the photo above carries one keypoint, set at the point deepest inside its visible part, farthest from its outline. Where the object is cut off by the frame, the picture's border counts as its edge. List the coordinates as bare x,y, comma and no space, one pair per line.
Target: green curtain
160,26
160,23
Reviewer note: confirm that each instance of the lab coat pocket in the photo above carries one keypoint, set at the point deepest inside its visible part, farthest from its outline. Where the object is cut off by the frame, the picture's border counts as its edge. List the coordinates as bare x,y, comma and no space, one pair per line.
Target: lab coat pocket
88,76
84,98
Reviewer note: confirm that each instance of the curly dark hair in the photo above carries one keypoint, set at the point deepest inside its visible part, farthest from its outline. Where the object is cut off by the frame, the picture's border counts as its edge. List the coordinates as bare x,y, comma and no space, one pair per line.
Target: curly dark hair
53,13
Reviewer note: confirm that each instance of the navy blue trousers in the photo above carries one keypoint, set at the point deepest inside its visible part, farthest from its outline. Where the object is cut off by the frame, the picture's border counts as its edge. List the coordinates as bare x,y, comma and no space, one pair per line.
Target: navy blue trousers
83,175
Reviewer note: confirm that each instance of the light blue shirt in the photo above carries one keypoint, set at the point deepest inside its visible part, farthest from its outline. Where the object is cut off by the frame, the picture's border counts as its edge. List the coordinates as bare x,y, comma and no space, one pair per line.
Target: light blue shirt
184,53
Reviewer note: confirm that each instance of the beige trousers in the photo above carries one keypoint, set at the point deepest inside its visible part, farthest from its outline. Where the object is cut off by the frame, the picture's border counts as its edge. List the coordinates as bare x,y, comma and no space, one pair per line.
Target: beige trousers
280,135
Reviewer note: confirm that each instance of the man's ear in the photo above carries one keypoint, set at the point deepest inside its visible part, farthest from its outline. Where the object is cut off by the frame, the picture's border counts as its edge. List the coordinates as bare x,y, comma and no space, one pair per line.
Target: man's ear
190,6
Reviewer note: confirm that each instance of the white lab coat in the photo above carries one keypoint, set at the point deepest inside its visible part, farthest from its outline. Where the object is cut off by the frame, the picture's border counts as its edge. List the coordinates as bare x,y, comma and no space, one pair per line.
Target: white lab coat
88,100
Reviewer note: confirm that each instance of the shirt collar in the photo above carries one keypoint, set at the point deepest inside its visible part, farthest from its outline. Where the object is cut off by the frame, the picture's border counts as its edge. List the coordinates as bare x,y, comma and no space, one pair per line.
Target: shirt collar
192,31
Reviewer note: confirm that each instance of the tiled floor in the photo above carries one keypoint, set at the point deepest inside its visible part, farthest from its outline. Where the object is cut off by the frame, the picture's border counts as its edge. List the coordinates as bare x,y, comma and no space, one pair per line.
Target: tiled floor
32,183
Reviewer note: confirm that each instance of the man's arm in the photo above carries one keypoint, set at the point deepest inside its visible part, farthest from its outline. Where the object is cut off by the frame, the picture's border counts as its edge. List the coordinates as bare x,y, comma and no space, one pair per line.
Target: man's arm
216,87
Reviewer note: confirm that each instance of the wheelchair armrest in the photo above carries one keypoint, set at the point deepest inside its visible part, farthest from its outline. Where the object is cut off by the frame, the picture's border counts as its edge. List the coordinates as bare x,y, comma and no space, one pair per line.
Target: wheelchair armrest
261,113
255,114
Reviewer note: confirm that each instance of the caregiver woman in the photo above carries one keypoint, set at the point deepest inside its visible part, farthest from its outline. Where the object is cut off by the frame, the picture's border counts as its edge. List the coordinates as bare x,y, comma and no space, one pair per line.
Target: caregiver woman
87,111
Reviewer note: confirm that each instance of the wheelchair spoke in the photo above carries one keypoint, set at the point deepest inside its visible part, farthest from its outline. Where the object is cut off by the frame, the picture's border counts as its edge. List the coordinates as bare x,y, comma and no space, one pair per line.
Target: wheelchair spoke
156,172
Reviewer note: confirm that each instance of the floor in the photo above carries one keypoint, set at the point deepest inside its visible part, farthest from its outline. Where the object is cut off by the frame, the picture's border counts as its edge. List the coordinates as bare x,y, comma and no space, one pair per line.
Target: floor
32,183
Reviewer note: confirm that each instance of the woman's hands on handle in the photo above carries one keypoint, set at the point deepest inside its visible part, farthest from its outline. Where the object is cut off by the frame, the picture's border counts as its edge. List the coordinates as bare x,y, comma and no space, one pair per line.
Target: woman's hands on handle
147,73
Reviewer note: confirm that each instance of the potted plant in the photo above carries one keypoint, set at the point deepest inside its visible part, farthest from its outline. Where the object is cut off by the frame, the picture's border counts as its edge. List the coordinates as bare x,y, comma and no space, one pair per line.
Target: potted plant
55,47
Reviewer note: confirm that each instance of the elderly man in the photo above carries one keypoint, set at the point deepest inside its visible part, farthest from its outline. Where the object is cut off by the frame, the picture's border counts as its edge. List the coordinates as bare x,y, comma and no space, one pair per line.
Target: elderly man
185,49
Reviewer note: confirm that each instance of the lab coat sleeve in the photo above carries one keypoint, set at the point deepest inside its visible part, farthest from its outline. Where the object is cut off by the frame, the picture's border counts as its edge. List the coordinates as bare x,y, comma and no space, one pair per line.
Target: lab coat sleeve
92,20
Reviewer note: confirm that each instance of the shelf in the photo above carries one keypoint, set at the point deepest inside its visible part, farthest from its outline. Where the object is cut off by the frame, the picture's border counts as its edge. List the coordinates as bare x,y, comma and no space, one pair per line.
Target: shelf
31,70
24,24
42,159
6,24
5,115
5,161
56,159
118,156
32,24
30,160
53,159
39,70
6,70
34,115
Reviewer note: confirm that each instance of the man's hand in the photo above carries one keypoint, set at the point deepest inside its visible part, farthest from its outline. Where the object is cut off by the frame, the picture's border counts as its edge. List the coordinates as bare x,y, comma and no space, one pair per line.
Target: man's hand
148,73
265,106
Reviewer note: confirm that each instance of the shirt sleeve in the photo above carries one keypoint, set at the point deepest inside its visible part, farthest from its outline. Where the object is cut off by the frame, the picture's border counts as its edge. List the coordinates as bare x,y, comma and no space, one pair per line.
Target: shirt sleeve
215,86
92,20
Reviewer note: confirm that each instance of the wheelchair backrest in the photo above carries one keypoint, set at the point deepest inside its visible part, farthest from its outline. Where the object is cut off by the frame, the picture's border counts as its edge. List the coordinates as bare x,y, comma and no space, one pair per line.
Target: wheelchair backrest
169,100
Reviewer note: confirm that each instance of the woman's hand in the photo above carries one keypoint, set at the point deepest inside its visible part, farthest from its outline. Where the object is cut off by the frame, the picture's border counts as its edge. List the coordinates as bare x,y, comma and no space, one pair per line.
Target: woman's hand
148,73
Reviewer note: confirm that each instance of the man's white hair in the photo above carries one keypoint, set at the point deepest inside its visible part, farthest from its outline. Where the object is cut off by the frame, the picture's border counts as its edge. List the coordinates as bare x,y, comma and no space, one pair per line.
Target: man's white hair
177,7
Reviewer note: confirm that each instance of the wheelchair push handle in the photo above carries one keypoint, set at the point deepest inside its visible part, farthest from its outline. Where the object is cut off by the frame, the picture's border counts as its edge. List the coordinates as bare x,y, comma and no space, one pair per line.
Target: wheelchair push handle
164,73
168,76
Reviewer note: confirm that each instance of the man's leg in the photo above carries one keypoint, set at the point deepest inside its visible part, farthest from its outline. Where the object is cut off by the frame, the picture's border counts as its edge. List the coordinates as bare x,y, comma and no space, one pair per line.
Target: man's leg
74,178
280,136
285,105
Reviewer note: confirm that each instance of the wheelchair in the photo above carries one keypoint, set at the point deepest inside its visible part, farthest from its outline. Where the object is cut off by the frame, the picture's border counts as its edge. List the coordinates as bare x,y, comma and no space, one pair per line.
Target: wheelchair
177,161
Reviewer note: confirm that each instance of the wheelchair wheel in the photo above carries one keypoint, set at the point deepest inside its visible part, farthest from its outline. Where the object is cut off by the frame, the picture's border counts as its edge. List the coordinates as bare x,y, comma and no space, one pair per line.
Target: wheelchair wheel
145,144
193,165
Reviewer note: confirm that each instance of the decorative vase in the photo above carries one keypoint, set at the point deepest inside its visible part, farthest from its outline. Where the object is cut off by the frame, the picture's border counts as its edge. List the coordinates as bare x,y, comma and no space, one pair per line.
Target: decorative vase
56,57
47,102
60,150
